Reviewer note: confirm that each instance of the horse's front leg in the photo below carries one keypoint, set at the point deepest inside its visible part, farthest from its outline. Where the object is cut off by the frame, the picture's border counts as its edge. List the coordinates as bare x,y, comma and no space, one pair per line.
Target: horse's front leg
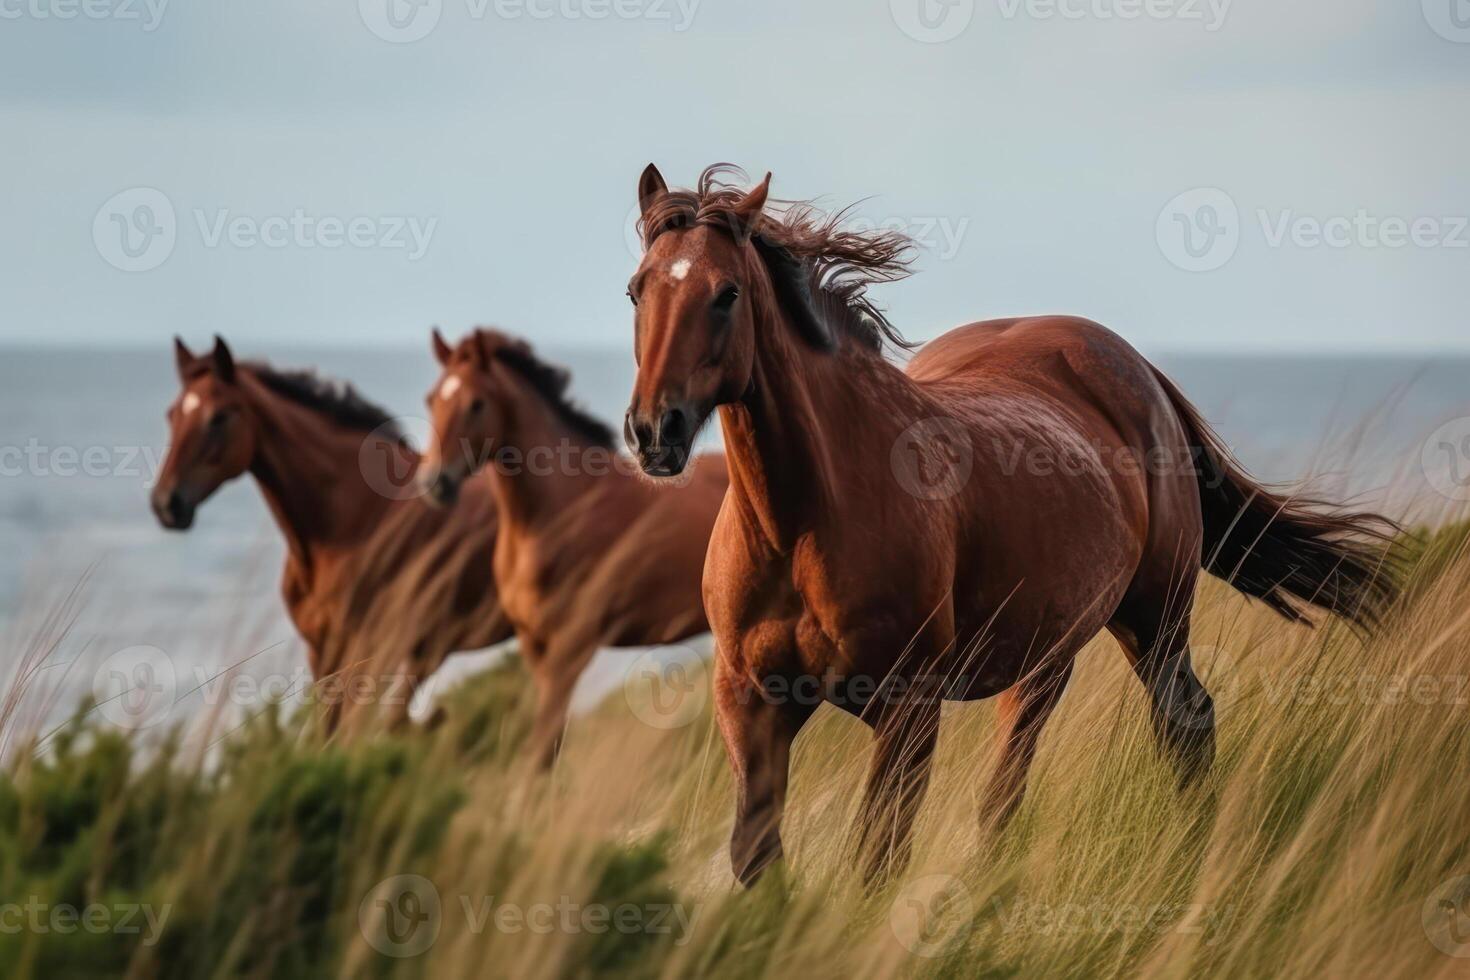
758,733
905,719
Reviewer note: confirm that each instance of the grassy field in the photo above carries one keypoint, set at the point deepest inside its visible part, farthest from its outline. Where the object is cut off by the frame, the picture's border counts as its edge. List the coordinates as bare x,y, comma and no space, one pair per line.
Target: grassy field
1329,840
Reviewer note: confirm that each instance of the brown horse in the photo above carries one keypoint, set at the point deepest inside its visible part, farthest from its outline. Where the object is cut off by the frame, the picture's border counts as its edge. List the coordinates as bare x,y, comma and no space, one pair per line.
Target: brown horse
381,585
955,530
589,554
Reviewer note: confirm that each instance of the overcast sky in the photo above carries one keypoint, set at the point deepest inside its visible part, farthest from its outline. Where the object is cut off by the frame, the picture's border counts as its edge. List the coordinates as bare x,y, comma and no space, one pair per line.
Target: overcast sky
1197,174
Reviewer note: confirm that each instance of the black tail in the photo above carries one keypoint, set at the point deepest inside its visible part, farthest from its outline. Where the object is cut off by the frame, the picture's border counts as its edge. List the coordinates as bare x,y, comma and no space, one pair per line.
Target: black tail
1291,553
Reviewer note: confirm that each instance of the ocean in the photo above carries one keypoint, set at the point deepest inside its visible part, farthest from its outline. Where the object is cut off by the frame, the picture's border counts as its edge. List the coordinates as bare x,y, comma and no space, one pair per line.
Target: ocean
84,433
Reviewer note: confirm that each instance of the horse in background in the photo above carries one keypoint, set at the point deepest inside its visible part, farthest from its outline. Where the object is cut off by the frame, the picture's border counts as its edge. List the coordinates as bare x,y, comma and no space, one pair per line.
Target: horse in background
589,553
958,529
380,585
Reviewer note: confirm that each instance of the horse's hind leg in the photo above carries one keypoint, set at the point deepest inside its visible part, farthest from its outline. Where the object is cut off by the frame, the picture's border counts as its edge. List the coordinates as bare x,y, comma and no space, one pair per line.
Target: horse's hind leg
1022,713
1156,642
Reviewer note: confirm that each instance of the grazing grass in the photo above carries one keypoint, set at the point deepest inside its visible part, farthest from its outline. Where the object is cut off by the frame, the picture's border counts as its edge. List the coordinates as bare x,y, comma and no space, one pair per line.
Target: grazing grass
1325,842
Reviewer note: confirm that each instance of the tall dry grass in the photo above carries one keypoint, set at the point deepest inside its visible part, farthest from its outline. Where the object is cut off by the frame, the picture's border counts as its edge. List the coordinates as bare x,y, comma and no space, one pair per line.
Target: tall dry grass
1326,841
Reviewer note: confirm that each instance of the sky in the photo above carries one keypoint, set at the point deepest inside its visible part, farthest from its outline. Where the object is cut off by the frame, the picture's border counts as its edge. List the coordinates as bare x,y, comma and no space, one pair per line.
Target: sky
1200,175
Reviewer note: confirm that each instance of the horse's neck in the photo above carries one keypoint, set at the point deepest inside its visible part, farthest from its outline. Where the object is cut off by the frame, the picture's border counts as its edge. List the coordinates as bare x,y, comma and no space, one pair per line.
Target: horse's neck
309,472
549,471
811,423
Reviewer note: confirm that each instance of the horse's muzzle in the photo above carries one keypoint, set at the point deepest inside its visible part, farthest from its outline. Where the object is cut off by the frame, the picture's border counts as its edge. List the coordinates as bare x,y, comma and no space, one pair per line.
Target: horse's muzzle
173,510
662,449
441,487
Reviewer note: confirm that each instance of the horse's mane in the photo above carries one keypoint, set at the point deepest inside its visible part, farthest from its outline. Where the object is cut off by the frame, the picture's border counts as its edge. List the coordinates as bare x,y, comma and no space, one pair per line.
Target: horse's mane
807,252
548,381
337,400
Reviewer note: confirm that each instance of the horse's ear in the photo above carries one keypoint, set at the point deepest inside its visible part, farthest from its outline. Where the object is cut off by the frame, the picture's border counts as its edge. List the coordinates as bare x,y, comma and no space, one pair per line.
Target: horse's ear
442,350
183,358
223,360
748,210
479,357
651,186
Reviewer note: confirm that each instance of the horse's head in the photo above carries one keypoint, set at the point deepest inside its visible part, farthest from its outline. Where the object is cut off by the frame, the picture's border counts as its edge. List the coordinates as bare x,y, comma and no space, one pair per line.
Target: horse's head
721,274
466,413
211,435
694,319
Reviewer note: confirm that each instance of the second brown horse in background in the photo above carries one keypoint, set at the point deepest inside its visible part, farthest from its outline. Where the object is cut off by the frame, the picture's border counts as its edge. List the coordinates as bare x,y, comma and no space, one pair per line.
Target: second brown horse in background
381,585
589,553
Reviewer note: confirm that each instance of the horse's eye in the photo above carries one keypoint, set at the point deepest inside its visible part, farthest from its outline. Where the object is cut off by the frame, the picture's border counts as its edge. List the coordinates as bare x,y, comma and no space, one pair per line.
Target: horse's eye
218,419
725,301
631,298
477,406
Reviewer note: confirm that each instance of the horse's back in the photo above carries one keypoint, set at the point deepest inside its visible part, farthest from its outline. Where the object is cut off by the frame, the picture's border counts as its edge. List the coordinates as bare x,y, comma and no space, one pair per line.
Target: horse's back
1029,347
1087,380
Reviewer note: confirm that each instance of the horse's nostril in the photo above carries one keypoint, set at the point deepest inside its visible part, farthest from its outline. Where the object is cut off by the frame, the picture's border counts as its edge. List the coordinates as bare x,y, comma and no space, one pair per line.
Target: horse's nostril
673,427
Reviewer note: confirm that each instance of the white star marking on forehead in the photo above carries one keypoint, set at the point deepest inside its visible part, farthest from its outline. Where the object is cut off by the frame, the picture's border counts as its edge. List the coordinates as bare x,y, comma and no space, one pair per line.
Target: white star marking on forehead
680,269
449,387
190,403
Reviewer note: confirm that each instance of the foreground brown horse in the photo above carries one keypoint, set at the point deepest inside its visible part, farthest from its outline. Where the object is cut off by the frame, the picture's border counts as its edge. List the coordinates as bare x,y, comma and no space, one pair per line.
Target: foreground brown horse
956,530
589,553
381,585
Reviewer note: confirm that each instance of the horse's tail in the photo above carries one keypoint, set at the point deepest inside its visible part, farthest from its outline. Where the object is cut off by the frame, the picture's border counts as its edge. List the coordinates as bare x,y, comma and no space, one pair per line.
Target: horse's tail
1291,553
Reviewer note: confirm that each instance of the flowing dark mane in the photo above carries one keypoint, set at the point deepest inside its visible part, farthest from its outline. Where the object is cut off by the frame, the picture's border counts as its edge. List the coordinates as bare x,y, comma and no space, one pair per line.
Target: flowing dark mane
548,380
806,251
337,400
